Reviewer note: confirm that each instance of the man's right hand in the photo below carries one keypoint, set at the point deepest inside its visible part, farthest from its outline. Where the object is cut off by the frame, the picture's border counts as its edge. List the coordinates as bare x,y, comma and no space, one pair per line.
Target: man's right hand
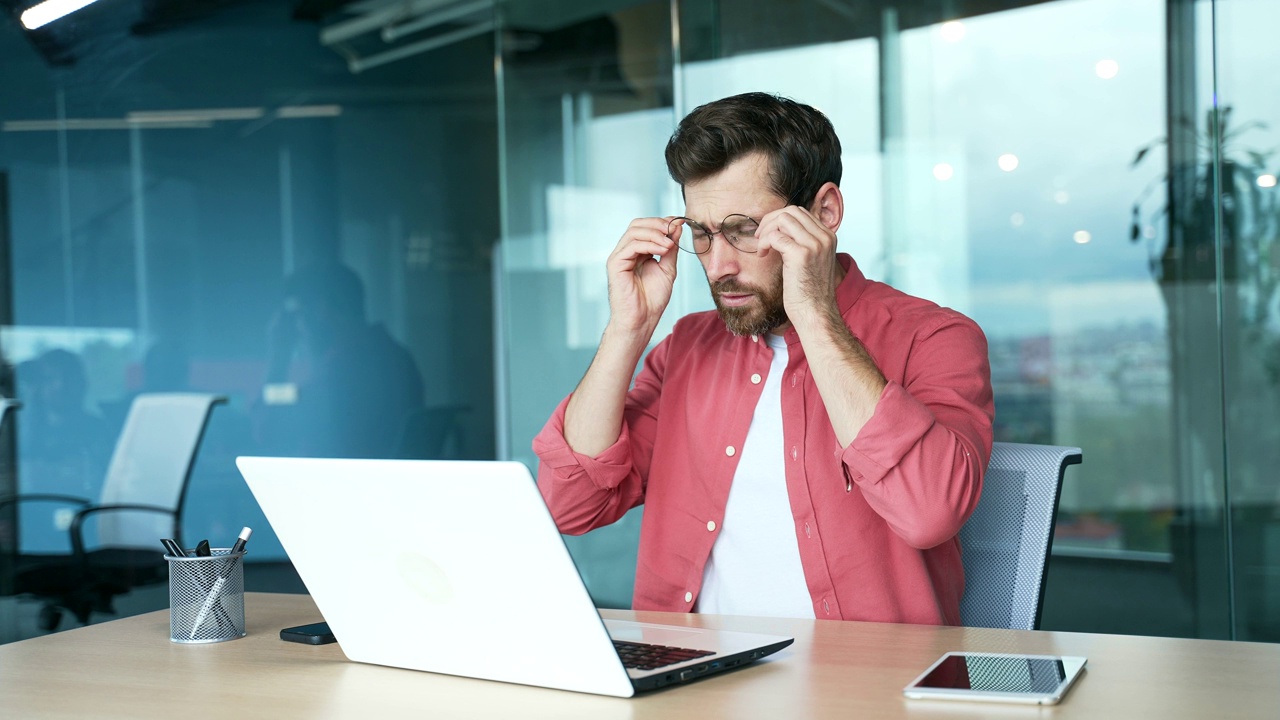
639,290
640,286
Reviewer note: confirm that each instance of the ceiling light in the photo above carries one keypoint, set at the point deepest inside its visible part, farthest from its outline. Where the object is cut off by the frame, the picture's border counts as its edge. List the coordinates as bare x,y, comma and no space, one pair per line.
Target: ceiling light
952,31
99,124
150,116
308,111
50,10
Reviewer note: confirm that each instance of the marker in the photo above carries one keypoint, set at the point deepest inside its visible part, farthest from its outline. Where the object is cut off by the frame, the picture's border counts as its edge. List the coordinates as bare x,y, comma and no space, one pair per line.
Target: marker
212,598
241,540
172,547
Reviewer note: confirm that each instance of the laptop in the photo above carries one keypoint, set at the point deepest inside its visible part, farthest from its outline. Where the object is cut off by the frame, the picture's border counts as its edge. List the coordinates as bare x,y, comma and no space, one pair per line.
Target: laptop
456,567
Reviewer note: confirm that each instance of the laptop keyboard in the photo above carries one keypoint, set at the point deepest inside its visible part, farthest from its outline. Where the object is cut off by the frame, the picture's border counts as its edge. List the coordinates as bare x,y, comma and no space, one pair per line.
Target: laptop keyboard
643,656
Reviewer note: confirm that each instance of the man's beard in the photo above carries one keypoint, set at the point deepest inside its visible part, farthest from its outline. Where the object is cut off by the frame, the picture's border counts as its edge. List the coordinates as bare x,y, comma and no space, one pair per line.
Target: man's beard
752,319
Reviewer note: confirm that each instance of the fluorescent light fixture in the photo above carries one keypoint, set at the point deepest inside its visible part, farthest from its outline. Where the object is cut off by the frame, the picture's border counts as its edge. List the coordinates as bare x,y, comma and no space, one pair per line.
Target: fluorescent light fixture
360,64
210,114
98,124
391,33
50,10
285,112
387,14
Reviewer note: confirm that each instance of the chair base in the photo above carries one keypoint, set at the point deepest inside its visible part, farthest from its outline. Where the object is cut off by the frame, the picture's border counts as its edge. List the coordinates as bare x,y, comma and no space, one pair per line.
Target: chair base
62,584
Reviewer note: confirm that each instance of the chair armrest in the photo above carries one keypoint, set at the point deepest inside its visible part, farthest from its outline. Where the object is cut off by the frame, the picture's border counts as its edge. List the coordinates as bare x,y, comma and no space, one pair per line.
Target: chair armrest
77,537
42,497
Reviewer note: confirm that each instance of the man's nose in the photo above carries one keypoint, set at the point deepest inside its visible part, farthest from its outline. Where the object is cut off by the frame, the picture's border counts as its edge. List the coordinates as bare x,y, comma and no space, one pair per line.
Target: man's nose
721,261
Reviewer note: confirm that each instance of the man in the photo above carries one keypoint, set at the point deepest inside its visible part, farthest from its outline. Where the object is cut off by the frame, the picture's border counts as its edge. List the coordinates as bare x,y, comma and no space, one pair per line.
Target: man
337,385
811,448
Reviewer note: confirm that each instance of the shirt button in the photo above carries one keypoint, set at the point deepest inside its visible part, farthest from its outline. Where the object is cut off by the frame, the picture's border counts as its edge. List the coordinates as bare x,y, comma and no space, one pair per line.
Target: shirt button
755,378
755,338
794,454
730,451
711,525
793,381
825,607
807,531
688,597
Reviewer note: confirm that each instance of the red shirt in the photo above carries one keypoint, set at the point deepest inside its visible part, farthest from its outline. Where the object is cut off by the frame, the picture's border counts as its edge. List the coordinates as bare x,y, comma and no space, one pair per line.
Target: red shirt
876,521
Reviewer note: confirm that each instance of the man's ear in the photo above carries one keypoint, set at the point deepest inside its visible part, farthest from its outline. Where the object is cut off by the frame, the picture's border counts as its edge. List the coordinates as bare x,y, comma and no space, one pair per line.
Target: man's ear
828,206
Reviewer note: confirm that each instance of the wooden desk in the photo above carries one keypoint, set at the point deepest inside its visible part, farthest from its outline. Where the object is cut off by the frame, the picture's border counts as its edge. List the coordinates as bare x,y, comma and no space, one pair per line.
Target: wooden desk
128,668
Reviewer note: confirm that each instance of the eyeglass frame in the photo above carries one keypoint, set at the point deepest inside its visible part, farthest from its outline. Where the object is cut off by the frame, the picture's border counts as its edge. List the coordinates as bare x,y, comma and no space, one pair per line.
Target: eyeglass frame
711,235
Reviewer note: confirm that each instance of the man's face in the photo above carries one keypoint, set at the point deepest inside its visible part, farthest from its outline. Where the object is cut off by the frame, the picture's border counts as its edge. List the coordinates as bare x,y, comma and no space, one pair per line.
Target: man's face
746,288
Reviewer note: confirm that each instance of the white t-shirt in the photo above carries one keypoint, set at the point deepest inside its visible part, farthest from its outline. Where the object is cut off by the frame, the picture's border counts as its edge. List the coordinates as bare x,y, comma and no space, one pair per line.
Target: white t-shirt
755,567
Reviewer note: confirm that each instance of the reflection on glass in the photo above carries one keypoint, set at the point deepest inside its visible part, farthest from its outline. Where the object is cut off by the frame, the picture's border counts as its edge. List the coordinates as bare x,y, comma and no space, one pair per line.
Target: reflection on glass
1250,245
162,174
997,673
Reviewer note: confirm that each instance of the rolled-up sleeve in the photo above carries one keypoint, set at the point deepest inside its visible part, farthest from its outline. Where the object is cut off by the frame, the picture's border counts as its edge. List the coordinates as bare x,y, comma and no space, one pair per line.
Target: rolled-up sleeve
585,492
920,459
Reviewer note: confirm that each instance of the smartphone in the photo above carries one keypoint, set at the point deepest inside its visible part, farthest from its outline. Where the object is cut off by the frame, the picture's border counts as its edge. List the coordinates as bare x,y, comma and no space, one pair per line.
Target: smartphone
997,677
313,634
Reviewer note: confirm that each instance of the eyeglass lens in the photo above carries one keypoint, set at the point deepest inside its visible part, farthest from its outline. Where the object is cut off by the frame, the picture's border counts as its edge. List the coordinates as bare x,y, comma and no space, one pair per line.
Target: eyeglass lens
739,230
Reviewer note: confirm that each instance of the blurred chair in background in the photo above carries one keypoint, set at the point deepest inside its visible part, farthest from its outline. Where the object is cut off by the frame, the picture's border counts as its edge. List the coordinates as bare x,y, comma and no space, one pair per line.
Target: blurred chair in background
141,502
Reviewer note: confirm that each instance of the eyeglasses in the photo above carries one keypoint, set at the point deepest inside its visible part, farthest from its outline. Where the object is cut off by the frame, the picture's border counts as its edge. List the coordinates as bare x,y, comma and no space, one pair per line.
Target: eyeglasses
739,230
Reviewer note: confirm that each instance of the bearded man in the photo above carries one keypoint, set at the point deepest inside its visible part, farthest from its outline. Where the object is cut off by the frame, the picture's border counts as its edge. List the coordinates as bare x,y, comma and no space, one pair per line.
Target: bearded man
813,446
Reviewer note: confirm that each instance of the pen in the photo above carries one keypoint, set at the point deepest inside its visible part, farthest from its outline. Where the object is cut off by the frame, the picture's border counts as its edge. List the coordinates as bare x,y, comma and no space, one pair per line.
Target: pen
212,598
172,547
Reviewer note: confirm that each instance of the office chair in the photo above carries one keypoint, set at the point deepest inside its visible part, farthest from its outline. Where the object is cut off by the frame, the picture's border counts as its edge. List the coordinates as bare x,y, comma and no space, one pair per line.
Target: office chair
7,404
141,501
432,433
1005,544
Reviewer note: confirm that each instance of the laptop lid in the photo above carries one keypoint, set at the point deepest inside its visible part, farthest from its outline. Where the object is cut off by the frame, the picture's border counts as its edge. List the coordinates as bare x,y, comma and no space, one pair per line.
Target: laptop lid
451,567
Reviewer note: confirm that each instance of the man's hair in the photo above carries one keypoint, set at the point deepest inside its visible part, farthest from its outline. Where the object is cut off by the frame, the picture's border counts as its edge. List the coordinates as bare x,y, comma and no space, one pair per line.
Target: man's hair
328,287
799,142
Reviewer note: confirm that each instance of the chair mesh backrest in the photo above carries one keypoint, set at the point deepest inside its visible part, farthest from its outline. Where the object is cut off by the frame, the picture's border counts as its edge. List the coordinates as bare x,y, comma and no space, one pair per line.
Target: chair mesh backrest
1005,543
151,464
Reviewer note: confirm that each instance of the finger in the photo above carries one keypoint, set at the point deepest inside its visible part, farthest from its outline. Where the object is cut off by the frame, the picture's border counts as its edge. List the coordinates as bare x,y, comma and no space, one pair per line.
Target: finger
667,262
655,223
638,249
810,222
787,231
796,220
645,234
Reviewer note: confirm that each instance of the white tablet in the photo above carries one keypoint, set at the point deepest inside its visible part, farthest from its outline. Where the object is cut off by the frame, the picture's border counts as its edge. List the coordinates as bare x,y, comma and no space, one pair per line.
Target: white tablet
997,677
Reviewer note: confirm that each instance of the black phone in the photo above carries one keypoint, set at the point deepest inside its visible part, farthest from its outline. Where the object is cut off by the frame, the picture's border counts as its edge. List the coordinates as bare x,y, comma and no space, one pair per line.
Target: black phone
313,634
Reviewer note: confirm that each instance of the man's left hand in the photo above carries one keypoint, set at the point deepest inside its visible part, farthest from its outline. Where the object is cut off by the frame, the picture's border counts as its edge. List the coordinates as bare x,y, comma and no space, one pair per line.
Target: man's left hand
809,266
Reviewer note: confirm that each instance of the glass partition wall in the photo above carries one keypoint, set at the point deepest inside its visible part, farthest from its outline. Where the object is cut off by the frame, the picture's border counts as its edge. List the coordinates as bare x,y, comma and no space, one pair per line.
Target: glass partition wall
247,199
1092,181
1057,170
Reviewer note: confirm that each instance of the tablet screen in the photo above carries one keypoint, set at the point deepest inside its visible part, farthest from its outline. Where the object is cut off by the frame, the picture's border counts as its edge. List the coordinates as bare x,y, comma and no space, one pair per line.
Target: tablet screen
998,676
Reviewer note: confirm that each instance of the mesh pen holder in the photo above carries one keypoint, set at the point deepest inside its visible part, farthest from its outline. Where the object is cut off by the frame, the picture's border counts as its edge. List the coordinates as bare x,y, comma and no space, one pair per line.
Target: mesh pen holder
206,597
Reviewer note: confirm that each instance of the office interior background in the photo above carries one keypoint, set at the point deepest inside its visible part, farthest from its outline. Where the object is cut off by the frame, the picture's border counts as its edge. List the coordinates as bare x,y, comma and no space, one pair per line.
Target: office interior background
1093,181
